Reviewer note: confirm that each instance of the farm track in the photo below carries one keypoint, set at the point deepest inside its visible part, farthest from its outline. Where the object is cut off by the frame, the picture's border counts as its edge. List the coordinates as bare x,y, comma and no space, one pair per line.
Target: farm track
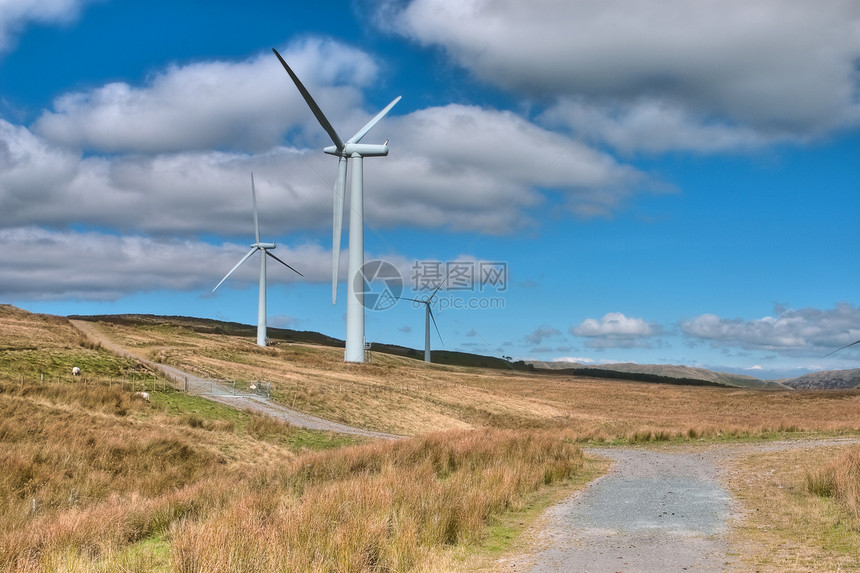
655,510
217,391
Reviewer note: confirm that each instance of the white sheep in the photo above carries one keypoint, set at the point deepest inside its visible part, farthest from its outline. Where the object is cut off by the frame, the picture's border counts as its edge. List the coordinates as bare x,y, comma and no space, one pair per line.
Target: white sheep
76,371
144,395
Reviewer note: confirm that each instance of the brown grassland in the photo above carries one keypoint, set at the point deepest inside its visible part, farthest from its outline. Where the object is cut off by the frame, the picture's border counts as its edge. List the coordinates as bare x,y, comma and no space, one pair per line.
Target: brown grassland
799,509
96,479
408,397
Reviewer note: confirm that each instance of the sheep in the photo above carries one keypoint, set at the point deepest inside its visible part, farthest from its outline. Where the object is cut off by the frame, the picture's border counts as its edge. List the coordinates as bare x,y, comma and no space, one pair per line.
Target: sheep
144,395
76,371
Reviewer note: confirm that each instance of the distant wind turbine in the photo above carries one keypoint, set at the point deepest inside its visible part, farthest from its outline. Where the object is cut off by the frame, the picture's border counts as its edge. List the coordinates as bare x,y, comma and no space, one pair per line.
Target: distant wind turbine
264,248
428,316
351,149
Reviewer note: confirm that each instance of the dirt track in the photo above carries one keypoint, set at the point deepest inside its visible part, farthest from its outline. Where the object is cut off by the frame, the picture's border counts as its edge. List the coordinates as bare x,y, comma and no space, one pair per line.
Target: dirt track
655,510
219,392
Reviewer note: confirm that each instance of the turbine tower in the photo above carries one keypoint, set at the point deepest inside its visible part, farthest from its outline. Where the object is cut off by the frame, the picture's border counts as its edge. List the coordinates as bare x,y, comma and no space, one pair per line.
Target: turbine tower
351,149
428,316
264,248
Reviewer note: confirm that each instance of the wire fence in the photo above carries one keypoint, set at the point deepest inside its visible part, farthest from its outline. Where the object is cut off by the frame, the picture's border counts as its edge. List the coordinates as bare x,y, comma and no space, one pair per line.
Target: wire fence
151,382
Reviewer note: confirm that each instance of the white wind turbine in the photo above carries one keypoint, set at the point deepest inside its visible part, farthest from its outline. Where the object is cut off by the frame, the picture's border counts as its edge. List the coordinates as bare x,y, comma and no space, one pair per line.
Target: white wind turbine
264,248
428,316
351,149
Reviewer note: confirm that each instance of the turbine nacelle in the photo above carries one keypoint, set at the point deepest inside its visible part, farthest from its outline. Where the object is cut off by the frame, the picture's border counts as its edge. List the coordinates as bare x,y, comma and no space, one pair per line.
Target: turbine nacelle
362,149
266,246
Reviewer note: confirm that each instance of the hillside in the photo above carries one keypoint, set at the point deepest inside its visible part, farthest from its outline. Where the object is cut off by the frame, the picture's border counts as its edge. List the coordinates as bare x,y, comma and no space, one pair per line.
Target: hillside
98,479
286,335
405,396
827,380
669,371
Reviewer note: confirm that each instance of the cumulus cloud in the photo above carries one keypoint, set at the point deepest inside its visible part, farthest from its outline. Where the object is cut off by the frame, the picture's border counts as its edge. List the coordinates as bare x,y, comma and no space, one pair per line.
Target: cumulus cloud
443,172
615,330
541,333
39,264
181,194
789,331
245,105
653,125
736,70
447,170
15,15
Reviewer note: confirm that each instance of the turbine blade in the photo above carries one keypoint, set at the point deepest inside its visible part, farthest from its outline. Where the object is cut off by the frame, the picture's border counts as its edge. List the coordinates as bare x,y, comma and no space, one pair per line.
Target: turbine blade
410,299
369,125
436,290
283,263
324,122
254,200
337,224
843,348
433,318
242,260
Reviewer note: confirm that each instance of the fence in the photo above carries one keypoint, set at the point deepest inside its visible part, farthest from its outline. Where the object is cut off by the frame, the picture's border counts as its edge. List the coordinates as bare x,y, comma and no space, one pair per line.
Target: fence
150,382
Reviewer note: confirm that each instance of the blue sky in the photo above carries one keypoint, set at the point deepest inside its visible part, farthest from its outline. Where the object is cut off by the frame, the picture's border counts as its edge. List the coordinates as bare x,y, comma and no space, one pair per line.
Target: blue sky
666,181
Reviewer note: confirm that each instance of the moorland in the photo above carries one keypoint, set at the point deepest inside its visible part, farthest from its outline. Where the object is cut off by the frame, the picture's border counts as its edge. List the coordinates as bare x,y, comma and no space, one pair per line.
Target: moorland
97,478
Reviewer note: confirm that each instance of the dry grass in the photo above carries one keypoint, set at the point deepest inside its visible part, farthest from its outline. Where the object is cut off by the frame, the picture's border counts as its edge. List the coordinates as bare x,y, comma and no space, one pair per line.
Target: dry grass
97,480
840,479
785,527
121,484
381,507
409,397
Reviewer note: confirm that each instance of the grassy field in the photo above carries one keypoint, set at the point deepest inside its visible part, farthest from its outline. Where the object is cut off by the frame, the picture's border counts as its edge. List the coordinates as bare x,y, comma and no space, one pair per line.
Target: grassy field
97,479
799,509
408,397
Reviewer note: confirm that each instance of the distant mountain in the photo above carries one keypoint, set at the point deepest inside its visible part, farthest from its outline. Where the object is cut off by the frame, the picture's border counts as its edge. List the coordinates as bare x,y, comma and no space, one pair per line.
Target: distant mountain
827,380
669,371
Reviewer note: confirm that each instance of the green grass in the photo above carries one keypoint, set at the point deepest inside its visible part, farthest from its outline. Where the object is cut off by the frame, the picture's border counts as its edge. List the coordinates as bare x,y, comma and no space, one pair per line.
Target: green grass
199,412
506,529
53,362
182,404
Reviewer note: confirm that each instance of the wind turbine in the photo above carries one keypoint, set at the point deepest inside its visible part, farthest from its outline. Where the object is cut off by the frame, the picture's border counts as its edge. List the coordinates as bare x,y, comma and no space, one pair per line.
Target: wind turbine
351,149
428,316
264,248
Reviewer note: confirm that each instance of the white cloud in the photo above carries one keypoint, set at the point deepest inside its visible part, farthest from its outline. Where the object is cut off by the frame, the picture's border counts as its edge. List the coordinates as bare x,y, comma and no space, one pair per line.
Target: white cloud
806,330
736,70
247,104
615,330
465,167
443,172
182,194
653,125
575,359
40,265
15,15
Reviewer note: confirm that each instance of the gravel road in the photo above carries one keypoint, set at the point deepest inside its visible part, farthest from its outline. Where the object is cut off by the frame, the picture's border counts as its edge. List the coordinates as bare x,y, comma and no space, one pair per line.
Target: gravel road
219,392
653,511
